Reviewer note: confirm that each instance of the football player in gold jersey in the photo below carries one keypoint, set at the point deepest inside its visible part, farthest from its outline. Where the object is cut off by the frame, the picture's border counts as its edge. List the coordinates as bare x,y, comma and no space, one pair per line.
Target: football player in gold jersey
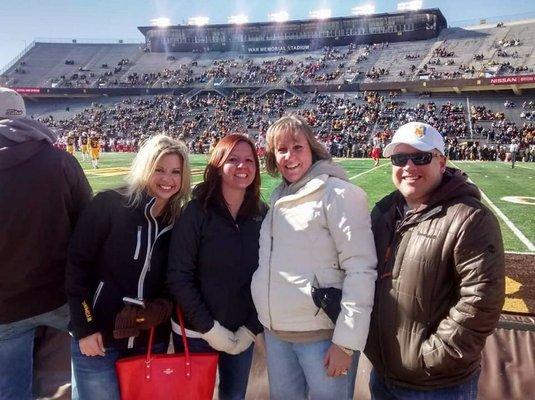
70,143
84,146
94,149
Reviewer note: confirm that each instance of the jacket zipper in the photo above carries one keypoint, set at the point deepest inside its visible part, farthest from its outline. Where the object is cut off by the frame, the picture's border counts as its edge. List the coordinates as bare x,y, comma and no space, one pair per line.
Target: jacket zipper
384,275
269,264
138,245
97,293
146,264
388,274
150,247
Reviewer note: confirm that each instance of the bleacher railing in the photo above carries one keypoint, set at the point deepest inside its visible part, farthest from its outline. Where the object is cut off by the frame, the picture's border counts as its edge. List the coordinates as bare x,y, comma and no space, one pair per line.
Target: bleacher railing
510,18
16,58
88,41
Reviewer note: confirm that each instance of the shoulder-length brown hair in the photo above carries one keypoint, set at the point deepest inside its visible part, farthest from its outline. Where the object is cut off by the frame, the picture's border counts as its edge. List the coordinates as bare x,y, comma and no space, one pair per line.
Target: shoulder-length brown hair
292,124
210,188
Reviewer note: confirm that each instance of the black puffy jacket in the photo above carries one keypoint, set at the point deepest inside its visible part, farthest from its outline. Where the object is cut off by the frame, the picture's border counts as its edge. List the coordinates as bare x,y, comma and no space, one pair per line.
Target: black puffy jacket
116,251
211,261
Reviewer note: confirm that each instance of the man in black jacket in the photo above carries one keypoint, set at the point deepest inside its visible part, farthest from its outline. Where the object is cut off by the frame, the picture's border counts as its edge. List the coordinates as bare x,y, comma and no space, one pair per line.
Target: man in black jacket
43,190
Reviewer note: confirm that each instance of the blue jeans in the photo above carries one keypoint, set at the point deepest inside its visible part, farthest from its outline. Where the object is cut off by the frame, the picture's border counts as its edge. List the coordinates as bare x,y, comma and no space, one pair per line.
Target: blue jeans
233,369
381,390
94,378
296,371
16,352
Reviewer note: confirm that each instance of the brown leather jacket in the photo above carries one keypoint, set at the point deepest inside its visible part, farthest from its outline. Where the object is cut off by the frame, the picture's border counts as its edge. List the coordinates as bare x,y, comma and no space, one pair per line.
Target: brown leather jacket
440,286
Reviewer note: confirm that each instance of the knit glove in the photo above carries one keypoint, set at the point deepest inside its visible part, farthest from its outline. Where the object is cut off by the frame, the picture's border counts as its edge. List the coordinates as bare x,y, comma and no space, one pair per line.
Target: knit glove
245,339
220,338
154,313
125,323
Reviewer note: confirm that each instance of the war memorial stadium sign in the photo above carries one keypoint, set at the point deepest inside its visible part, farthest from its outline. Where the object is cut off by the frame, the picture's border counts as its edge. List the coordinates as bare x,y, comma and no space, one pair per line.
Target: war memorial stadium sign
280,48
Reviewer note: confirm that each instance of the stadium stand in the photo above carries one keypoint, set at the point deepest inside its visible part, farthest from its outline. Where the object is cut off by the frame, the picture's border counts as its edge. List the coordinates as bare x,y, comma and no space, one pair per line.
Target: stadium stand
480,129
456,53
203,94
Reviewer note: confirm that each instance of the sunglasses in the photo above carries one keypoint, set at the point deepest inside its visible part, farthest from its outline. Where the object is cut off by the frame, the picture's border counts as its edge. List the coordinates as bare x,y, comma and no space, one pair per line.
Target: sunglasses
422,158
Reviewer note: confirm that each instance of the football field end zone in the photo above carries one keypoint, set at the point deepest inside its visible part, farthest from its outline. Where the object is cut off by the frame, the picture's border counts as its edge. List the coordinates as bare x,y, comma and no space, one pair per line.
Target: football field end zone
518,233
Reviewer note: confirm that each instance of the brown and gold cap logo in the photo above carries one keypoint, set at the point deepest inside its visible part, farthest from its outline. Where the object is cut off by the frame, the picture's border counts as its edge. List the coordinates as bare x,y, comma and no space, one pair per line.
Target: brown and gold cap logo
419,131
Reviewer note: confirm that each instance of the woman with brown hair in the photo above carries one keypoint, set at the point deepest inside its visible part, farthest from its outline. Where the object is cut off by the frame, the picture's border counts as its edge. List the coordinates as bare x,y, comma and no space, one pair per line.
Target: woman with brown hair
213,255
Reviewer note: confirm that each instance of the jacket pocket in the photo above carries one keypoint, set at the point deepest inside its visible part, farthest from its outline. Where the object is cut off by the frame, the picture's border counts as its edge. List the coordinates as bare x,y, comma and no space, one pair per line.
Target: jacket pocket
437,360
97,294
330,277
138,245
293,290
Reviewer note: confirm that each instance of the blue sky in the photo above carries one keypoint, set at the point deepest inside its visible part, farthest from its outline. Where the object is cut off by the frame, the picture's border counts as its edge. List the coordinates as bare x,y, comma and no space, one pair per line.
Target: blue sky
22,21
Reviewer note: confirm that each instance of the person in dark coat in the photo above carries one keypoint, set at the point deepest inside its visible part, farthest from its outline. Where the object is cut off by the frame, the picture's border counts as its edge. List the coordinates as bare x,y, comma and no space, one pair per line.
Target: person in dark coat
117,259
213,255
42,192
441,273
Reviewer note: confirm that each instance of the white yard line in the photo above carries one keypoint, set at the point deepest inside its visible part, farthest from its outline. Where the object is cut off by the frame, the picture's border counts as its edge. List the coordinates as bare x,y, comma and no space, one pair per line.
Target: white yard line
522,166
505,164
507,221
369,170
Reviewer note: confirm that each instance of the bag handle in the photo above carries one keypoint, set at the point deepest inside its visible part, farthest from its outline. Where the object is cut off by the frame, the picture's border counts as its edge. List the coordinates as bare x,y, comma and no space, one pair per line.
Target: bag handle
184,341
149,355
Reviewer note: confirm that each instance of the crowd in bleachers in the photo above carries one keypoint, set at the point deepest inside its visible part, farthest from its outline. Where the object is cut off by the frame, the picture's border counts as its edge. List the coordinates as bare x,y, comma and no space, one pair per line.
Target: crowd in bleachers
370,62
348,126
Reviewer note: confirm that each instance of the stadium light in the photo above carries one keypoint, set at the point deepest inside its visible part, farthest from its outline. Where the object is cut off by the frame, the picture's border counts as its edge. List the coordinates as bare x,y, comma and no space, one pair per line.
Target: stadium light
324,13
366,9
238,19
280,16
410,5
161,22
198,21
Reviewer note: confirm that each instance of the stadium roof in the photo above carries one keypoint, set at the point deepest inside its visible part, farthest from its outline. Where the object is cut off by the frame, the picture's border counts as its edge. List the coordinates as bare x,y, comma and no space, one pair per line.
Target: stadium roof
436,11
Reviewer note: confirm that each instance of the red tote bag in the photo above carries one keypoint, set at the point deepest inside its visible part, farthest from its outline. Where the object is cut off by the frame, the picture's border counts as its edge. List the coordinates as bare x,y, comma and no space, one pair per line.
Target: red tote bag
168,376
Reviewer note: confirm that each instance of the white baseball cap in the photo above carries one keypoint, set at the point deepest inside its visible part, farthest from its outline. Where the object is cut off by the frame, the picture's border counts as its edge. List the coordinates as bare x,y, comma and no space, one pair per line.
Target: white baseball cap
419,135
11,104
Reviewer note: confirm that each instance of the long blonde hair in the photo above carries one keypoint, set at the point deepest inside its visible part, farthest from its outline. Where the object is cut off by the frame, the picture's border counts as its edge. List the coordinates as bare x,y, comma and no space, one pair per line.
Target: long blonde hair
143,167
292,124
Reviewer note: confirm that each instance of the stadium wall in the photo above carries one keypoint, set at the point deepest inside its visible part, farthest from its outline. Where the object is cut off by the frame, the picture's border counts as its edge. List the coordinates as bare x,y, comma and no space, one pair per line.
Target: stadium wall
517,85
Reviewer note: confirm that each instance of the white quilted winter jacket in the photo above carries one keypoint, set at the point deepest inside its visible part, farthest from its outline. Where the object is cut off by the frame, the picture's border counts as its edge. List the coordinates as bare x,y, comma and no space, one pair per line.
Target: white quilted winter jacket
317,232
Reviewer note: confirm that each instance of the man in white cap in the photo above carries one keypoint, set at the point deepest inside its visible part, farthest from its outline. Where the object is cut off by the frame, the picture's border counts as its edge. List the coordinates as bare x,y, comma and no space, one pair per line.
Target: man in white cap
42,191
440,286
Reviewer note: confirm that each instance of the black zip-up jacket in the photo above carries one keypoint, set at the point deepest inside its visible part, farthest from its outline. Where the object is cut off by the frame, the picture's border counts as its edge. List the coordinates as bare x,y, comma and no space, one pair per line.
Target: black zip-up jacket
116,251
42,191
211,262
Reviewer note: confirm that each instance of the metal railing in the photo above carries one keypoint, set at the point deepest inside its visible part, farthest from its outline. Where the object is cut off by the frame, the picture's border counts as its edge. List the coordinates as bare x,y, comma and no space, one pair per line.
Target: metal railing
88,41
66,41
17,58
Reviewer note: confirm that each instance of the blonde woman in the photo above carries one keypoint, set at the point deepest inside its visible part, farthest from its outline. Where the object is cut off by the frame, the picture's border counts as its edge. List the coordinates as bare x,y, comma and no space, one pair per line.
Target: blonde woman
117,257
317,233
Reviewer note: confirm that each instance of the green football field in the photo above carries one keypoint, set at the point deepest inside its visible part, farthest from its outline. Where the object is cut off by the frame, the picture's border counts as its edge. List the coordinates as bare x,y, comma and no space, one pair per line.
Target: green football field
509,192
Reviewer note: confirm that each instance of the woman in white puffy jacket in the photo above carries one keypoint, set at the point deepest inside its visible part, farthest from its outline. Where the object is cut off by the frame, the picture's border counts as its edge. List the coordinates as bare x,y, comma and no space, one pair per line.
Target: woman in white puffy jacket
317,233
